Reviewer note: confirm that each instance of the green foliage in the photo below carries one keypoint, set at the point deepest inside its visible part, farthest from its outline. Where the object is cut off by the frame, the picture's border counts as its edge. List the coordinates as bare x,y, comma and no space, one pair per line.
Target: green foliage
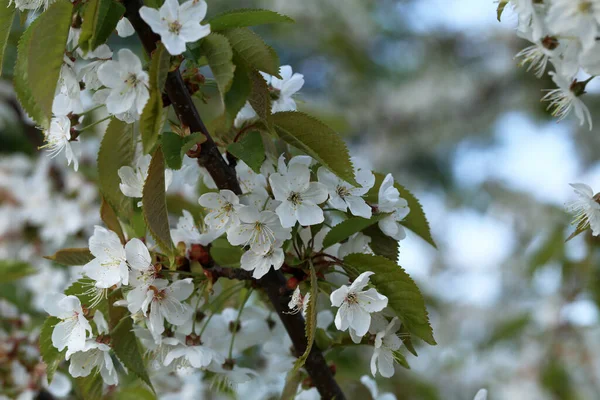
382,244
237,95
111,220
175,146
404,296
246,17
50,354
7,15
155,204
72,256
501,6
124,342
39,60
224,254
310,324
11,270
259,97
552,248
581,227
90,387
250,149
116,150
415,220
253,51
508,329
292,381
176,203
219,54
153,116
100,18
317,140
81,290
134,393
349,227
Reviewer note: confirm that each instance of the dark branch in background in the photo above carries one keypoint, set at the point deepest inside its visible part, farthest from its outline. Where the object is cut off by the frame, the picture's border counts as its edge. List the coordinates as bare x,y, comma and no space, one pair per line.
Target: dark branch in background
224,175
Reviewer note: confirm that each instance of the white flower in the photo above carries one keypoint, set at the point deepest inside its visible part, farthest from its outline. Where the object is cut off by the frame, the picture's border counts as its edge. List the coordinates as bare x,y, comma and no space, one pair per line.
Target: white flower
100,321
298,302
372,386
58,137
386,344
93,355
68,92
262,263
356,304
109,265
188,233
537,55
343,196
299,197
223,209
165,302
195,355
127,84
281,91
73,328
133,179
389,201
586,208
177,24
575,18
566,98
481,395
89,73
357,243
32,4
124,28
259,230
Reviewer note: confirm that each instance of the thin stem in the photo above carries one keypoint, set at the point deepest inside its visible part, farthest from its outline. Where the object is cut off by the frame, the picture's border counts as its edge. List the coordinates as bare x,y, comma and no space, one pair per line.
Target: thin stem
91,110
237,322
119,323
94,124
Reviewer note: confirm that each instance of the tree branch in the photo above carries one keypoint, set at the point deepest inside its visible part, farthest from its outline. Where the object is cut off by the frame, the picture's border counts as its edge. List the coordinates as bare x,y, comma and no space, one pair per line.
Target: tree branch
274,283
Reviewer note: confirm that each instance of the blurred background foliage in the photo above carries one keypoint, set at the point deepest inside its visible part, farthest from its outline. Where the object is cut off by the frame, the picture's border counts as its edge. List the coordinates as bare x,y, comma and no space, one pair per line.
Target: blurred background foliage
429,90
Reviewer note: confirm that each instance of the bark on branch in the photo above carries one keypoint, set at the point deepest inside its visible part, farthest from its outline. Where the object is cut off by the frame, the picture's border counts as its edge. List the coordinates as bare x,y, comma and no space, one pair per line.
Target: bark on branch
224,175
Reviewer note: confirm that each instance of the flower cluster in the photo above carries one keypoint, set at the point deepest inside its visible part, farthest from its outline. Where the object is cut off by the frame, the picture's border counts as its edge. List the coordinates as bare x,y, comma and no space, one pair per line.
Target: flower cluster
563,33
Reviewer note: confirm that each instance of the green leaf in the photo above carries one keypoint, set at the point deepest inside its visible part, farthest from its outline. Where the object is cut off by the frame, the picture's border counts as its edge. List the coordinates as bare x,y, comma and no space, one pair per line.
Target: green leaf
176,203
349,227
237,95
260,98
100,18
72,256
39,60
154,115
246,17
317,140
253,51
415,220
552,248
124,342
310,324
250,149
111,220
12,270
50,354
404,334
501,6
292,382
90,387
382,244
155,204
116,150
404,296
135,393
224,254
175,146
7,15
219,54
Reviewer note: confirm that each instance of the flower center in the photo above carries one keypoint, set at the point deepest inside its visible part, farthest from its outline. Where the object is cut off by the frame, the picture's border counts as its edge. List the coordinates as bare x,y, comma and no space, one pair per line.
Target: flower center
174,27
352,298
158,294
585,7
132,80
342,191
258,226
295,198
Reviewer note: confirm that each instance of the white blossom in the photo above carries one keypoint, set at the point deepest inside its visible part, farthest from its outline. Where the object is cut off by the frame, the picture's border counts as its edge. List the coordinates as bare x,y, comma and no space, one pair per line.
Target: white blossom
195,355
58,138
565,99
299,303
133,178
188,233
343,196
109,266
177,24
259,230
356,305
575,18
93,355
299,197
386,344
68,92
89,72
586,208
481,394
124,28
74,328
223,209
374,390
262,263
389,201
166,302
357,243
127,86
